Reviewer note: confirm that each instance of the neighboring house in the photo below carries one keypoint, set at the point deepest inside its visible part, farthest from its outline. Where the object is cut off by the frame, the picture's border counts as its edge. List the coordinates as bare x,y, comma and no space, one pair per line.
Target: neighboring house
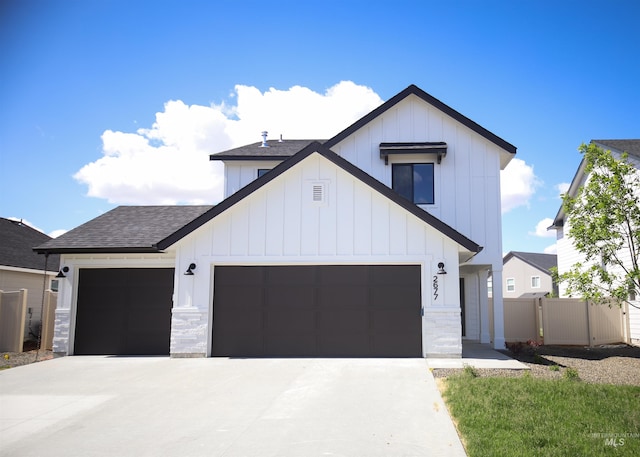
376,242
528,275
567,254
21,268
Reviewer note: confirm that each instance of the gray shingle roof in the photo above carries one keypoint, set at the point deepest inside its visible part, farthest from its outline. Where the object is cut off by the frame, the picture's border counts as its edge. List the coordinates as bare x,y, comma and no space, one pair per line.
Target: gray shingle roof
17,241
276,150
125,229
630,146
543,262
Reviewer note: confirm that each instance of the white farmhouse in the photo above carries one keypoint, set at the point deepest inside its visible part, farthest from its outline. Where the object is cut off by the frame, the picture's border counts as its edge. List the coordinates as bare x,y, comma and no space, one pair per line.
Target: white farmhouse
376,242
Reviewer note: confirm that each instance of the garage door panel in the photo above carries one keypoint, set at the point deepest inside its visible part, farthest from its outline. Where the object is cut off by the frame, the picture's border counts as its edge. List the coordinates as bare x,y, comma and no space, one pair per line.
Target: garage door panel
342,296
291,345
238,297
290,321
387,346
239,276
395,274
343,322
343,345
244,344
331,275
396,297
288,275
292,297
394,322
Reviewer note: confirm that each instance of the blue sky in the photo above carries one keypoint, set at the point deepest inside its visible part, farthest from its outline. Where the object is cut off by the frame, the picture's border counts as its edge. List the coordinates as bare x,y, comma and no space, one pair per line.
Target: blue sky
113,88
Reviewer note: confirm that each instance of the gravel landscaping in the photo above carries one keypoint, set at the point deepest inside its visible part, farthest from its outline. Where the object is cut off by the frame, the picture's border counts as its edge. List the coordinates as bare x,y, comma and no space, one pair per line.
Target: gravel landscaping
609,364
29,355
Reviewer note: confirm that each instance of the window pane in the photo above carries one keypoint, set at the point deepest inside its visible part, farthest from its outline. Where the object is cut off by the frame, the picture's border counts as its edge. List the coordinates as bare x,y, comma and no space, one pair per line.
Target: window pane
402,180
262,171
423,183
535,282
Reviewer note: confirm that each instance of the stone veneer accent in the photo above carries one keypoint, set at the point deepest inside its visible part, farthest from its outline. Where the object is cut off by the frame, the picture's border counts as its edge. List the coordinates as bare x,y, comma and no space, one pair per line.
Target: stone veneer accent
189,332
61,331
444,334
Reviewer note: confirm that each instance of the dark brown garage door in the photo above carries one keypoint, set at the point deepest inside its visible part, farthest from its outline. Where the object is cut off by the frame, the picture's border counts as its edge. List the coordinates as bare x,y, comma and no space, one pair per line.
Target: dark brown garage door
124,311
328,310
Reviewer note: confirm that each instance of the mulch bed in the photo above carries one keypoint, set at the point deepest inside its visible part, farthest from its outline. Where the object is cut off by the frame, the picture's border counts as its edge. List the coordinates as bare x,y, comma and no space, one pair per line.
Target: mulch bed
609,364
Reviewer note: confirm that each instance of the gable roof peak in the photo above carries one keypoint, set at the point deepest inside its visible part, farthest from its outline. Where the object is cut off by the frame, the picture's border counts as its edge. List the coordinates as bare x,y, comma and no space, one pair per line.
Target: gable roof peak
412,89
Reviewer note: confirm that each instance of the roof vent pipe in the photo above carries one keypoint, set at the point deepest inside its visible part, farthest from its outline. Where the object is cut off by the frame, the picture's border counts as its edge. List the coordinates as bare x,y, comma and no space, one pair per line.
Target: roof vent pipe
280,140
264,140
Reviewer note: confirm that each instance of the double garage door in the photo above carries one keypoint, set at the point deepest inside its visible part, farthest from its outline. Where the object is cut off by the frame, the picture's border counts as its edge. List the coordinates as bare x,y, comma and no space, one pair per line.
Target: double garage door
327,310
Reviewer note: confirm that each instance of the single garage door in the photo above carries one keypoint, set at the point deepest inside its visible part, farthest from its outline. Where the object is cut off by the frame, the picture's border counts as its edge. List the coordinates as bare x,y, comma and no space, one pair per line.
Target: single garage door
320,310
124,311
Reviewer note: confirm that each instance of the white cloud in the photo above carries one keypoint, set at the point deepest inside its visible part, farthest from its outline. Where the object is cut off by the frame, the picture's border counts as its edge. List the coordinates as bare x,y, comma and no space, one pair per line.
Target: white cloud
518,184
562,188
553,249
169,162
541,229
57,233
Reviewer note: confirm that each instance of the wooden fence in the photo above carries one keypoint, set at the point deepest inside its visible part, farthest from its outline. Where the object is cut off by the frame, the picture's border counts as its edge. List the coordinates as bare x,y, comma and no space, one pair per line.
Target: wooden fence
564,321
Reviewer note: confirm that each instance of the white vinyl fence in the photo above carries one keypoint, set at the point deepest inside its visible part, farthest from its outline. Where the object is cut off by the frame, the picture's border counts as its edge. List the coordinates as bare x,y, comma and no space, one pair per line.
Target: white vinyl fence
564,321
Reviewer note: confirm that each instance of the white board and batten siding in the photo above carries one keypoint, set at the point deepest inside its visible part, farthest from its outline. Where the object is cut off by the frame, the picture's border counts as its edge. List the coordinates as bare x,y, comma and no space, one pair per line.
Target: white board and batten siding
467,181
238,174
280,224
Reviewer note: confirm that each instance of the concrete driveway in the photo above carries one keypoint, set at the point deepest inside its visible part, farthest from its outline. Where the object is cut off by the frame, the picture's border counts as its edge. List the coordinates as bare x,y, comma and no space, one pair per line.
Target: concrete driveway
95,406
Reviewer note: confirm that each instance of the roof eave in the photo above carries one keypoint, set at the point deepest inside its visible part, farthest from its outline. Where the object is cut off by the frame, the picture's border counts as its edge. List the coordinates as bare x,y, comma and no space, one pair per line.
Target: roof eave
99,250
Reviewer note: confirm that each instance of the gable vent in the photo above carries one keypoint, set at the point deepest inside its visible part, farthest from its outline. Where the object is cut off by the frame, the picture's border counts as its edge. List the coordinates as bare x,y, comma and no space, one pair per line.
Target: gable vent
318,193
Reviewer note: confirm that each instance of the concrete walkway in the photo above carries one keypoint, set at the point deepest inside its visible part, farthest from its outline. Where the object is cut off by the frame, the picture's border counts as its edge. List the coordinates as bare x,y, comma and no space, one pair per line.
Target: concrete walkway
156,407
478,356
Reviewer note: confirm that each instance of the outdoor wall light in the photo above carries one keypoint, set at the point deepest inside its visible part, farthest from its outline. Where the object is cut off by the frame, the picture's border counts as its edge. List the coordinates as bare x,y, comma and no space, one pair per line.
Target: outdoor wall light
189,272
61,273
441,268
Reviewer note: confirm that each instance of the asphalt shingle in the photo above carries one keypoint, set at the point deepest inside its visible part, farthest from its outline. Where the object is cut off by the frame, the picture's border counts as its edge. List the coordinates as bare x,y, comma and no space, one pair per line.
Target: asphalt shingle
125,229
17,241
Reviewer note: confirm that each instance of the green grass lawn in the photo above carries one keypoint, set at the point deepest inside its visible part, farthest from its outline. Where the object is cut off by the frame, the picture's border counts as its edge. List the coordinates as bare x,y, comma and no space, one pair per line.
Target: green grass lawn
536,417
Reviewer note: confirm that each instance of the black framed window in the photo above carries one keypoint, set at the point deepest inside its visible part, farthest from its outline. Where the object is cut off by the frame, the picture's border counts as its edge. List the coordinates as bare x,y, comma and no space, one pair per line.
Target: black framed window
262,171
414,181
